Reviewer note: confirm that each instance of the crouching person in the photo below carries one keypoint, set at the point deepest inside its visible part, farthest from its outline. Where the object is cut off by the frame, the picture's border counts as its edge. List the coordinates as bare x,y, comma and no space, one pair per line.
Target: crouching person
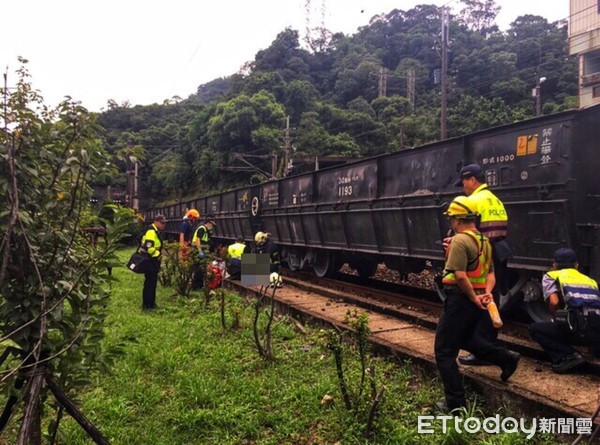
574,301
264,244
234,254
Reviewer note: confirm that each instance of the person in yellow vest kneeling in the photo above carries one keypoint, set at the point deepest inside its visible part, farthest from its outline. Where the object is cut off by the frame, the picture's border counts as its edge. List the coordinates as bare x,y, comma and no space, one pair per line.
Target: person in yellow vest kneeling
234,255
574,301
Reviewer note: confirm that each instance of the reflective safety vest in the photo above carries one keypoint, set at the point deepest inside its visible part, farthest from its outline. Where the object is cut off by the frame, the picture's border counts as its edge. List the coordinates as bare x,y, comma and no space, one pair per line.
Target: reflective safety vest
578,290
478,275
205,237
236,250
494,220
151,242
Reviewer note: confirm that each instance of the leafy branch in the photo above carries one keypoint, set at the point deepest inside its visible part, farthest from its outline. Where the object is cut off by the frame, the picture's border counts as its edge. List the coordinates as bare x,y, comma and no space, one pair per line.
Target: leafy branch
53,284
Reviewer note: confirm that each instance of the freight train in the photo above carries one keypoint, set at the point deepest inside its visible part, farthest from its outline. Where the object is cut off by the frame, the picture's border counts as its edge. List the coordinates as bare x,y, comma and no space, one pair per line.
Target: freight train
389,208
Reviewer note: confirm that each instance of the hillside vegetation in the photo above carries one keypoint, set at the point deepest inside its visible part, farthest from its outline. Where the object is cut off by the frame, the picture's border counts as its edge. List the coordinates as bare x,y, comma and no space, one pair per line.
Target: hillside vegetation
345,95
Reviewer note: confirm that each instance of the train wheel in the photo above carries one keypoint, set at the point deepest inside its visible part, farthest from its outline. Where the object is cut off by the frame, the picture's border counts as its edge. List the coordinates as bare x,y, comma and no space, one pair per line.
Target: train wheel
294,259
534,303
255,206
538,310
323,263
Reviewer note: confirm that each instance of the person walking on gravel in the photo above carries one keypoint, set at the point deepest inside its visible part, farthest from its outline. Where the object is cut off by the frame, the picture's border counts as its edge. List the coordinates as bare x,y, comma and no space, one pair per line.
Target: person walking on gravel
467,283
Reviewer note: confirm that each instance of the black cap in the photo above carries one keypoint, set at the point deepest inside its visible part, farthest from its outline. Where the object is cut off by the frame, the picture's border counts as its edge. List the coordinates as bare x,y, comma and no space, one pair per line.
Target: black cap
466,172
160,218
564,255
210,219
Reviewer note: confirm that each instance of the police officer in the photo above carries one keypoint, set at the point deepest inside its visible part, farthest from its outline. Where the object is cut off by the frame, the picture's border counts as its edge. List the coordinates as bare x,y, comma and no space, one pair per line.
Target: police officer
567,288
467,282
152,244
234,253
201,240
493,224
202,235
264,244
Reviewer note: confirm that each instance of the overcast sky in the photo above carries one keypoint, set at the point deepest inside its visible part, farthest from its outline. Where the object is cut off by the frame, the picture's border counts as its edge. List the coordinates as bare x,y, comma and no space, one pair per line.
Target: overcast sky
146,51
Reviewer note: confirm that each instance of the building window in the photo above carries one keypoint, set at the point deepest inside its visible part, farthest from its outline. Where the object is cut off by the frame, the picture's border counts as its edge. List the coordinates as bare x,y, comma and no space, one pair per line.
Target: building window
591,62
596,92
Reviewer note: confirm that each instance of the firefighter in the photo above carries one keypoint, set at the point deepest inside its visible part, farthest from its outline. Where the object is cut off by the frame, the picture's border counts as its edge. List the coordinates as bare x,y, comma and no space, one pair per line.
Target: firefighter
467,284
264,244
187,228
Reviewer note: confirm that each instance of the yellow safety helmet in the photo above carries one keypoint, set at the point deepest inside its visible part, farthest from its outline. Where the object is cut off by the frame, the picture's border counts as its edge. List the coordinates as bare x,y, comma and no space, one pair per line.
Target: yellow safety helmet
193,213
462,207
261,237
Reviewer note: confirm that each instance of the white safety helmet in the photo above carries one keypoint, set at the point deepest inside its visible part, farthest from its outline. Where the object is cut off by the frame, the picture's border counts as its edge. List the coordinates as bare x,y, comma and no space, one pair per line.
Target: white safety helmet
275,280
261,237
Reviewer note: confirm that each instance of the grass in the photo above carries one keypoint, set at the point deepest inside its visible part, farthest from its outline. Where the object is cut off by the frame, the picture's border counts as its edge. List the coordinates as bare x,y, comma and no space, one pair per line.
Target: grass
184,380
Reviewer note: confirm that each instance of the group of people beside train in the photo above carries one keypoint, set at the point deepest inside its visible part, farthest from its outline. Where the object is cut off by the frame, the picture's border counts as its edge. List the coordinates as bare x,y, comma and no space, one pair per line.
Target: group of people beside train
475,276
196,233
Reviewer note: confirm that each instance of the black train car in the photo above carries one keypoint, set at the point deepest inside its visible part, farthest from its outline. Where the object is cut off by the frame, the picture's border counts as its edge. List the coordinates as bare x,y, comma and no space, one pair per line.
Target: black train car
390,208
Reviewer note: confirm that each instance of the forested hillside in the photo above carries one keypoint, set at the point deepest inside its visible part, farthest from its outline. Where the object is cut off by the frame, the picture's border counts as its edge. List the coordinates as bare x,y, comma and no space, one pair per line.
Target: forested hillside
349,95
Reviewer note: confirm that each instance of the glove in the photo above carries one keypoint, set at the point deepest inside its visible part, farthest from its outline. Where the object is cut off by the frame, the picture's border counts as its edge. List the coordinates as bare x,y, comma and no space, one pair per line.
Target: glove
201,254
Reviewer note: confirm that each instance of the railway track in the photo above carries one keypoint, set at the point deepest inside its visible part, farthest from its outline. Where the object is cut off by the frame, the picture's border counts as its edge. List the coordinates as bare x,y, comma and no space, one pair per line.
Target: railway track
413,304
402,326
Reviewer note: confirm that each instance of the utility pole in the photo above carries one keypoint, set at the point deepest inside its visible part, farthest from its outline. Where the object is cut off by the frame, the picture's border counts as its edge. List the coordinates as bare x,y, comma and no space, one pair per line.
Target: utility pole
287,146
411,78
136,198
129,184
383,73
5,100
444,73
537,93
274,159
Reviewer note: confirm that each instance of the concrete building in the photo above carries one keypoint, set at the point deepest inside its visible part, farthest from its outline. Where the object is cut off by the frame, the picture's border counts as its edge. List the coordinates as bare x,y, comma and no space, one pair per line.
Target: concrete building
584,41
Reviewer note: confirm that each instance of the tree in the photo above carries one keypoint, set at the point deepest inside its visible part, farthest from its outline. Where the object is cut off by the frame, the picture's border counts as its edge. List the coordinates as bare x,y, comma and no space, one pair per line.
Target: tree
53,282
314,139
480,15
300,97
282,51
170,172
361,80
271,82
231,126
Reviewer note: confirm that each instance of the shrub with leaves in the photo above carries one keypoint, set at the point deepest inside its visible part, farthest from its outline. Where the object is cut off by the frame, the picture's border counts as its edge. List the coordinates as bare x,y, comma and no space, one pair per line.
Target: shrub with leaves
54,284
177,268
364,405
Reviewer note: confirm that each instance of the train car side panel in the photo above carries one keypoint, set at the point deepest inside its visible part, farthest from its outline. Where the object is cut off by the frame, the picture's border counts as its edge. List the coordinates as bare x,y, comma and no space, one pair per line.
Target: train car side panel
421,171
